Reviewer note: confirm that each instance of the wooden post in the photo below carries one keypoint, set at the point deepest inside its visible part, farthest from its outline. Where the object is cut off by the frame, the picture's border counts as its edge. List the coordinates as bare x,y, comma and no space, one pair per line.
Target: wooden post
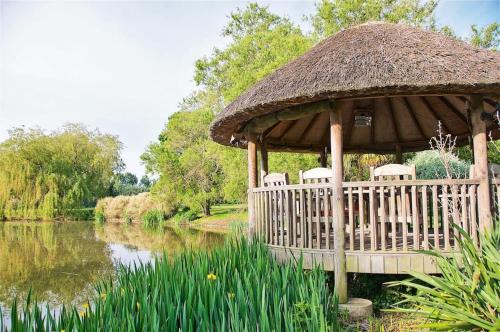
264,164
399,154
252,183
338,202
322,158
481,161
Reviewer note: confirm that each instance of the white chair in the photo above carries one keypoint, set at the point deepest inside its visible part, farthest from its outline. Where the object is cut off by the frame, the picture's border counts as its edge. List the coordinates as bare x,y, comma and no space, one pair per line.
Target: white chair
275,179
316,175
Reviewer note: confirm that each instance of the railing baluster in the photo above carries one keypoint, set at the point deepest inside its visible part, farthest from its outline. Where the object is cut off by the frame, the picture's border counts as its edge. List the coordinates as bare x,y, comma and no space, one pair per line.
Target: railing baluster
282,217
302,219
287,218
351,218
392,207
383,233
294,218
425,218
456,214
318,219
435,217
446,223
463,210
403,218
361,220
309,218
473,213
373,223
415,217
327,216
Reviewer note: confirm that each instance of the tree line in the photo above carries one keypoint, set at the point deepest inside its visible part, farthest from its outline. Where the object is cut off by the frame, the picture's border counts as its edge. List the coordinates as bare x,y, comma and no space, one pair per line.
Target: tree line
195,172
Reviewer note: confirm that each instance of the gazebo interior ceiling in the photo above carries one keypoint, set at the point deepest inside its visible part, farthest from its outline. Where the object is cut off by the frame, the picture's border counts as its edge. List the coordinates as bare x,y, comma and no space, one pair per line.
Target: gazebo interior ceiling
379,125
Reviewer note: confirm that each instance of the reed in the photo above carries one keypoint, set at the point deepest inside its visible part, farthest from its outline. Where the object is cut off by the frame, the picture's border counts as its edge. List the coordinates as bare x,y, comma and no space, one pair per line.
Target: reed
466,295
236,287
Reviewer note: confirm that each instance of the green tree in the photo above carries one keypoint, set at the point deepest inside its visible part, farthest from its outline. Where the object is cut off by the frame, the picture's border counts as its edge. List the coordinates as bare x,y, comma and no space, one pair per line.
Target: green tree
333,16
44,175
185,159
487,36
259,43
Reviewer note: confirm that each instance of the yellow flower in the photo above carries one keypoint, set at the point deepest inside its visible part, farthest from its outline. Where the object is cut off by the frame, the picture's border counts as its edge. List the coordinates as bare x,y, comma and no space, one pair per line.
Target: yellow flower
122,290
231,295
138,306
86,305
82,313
211,276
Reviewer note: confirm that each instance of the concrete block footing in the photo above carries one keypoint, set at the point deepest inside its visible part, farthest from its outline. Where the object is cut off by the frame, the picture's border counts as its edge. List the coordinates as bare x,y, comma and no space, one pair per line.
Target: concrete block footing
357,308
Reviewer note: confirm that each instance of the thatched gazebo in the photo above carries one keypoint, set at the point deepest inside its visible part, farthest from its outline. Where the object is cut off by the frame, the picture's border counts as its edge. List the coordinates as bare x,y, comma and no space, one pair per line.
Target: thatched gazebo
374,88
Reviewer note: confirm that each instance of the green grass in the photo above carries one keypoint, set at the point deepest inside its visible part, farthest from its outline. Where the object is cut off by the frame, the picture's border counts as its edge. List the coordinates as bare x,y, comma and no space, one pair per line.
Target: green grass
225,213
236,287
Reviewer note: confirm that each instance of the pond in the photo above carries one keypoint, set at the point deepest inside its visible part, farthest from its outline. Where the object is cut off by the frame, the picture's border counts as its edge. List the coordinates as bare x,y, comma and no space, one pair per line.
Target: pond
60,261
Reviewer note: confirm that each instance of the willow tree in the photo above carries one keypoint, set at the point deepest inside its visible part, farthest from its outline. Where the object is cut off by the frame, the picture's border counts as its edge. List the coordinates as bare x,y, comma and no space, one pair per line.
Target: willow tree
45,175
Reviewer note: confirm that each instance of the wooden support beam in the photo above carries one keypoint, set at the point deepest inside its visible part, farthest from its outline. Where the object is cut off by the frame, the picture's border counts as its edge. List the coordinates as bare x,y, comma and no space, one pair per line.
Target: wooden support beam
252,182
393,120
322,158
480,141
399,154
338,202
414,118
264,164
308,128
455,111
436,115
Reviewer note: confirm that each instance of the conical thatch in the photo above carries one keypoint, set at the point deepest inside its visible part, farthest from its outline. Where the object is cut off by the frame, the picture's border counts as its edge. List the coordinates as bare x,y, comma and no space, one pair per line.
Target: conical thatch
406,78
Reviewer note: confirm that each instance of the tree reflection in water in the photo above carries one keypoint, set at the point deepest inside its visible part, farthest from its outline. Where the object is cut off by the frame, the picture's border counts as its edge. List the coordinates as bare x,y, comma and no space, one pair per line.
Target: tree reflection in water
61,261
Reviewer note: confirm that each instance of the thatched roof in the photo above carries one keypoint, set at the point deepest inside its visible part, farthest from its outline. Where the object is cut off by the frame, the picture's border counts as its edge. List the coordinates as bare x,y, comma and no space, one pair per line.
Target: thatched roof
407,78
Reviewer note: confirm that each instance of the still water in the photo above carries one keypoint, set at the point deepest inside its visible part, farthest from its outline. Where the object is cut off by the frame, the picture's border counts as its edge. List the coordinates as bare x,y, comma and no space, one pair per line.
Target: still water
61,261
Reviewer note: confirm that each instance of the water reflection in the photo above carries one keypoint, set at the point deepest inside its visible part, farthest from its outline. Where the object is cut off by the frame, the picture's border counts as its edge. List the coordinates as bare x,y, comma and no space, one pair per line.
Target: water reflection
61,261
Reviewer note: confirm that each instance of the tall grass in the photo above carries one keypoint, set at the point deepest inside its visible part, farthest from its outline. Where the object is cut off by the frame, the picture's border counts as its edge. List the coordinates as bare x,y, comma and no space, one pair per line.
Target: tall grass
466,296
237,287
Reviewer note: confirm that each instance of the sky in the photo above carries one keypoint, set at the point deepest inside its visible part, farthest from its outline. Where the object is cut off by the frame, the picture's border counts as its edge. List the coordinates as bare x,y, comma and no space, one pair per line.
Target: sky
124,66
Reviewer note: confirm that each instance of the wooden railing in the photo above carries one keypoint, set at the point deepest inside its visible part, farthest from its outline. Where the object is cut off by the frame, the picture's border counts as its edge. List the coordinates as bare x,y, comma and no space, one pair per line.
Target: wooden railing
495,193
397,216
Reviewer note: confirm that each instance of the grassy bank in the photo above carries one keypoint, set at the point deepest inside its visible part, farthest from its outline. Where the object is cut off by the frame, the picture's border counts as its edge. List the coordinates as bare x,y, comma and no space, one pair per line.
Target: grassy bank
236,287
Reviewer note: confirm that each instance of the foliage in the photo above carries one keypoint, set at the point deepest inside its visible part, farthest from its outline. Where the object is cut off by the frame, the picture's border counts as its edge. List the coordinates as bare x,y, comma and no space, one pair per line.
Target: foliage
79,214
259,43
227,289
429,165
185,158
99,217
44,175
127,184
152,219
466,296
333,16
487,36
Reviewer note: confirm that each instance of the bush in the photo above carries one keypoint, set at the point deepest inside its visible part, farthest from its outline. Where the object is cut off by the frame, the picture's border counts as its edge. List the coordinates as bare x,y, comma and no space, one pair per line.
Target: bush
237,287
466,295
99,217
152,219
135,206
429,165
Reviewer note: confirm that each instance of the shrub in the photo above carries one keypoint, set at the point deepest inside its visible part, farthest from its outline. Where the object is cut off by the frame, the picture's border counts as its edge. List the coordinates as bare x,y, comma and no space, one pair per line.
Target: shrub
466,295
237,287
135,206
429,165
152,219
99,217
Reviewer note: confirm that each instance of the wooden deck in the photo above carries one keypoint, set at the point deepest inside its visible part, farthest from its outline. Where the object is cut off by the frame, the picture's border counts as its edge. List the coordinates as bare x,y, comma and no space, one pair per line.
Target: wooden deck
385,222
